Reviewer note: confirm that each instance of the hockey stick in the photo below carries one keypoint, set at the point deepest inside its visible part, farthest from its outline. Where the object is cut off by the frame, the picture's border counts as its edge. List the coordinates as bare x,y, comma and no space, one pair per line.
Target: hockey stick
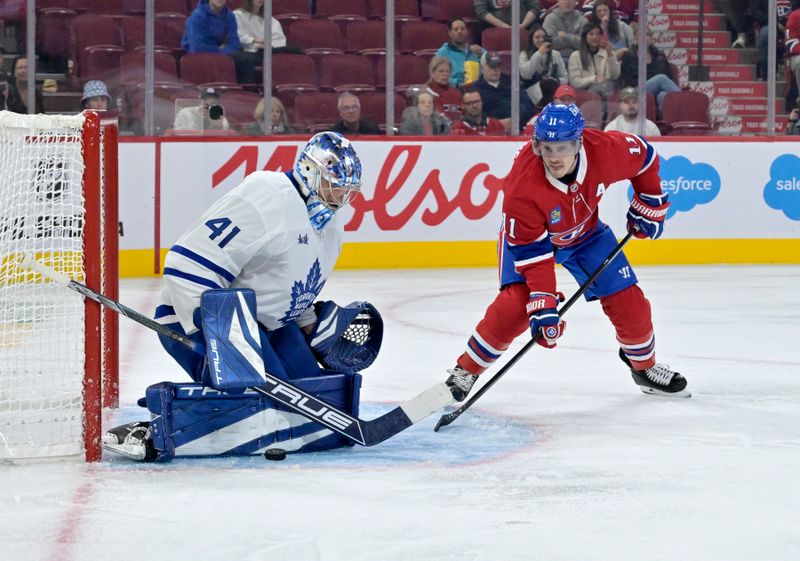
366,433
448,418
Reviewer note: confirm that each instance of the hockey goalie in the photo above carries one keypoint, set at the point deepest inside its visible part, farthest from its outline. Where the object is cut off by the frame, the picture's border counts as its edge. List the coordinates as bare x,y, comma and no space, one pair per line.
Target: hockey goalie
242,283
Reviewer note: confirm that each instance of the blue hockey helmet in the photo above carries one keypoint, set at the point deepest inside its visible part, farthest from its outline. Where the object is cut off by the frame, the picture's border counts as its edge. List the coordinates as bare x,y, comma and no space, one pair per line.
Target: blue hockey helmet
558,123
330,156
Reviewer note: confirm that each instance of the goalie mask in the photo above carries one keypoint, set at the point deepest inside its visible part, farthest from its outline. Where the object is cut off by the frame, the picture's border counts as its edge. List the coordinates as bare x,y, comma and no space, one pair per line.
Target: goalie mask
329,172
346,339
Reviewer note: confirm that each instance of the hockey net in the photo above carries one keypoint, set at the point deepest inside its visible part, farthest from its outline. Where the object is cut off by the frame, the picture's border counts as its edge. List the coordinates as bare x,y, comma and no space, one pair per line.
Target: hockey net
58,353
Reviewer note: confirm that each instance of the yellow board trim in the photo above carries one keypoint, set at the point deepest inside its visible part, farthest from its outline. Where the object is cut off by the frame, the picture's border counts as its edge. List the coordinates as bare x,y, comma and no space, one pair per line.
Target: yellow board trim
411,255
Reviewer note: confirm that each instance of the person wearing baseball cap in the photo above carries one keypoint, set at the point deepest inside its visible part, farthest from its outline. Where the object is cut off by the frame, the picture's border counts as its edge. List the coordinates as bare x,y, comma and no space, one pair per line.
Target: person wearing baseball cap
95,96
565,94
495,86
627,120
207,115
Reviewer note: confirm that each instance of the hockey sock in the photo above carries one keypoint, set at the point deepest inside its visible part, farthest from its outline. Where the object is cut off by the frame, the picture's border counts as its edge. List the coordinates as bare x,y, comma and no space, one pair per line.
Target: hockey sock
505,319
629,312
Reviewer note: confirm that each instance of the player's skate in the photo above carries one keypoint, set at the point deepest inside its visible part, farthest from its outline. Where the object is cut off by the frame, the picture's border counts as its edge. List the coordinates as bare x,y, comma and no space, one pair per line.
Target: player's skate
132,441
460,382
658,380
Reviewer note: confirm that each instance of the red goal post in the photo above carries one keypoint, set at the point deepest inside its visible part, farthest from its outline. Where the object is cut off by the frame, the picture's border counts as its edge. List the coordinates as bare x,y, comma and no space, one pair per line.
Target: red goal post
58,353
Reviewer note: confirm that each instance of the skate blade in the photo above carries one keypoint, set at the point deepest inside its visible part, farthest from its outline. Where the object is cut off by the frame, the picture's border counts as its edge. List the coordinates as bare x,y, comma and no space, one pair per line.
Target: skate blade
131,451
684,393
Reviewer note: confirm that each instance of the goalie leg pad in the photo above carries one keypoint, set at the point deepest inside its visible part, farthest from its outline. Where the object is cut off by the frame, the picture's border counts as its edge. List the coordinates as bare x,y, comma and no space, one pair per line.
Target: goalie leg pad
193,420
233,339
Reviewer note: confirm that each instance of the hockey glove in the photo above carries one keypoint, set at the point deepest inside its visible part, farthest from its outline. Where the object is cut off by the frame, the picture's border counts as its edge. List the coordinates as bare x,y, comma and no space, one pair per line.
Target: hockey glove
543,316
646,215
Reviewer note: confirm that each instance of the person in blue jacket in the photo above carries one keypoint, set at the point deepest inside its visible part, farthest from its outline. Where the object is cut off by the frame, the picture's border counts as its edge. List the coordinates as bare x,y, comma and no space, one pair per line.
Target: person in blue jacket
211,28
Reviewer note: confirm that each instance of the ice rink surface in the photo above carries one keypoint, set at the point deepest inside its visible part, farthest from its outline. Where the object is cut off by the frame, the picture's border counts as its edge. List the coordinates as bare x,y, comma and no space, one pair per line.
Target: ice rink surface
564,459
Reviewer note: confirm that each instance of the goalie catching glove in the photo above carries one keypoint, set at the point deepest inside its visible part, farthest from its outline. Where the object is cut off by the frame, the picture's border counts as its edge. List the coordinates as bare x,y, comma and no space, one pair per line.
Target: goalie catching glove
346,339
543,316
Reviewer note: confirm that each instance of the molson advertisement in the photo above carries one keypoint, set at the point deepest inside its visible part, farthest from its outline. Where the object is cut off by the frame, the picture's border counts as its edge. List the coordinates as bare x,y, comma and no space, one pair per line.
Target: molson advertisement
439,203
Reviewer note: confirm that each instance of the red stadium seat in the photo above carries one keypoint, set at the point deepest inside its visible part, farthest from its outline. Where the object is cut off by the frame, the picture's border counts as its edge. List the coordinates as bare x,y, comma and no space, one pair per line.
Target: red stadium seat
409,70
373,106
291,8
164,96
346,73
53,32
330,8
315,37
449,9
316,111
405,10
685,106
208,69
292,72
239,108
499,39
105,7
89,30
132,66
169,31
137,7
582,96
366,37
423,37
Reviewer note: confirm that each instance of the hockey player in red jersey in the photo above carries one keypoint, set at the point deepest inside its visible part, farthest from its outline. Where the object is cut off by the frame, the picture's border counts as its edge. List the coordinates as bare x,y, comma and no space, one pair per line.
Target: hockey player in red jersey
550,216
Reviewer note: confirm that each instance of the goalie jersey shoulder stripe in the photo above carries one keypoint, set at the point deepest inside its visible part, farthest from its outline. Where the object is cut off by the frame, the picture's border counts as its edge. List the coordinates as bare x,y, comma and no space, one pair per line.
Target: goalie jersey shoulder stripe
257,236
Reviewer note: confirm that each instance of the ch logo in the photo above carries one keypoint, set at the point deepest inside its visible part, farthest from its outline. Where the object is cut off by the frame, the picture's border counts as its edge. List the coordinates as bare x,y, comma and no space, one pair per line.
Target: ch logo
302,239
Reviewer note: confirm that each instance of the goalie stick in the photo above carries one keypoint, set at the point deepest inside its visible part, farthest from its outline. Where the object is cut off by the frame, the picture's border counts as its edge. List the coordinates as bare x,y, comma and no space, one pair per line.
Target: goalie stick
366,433
448,418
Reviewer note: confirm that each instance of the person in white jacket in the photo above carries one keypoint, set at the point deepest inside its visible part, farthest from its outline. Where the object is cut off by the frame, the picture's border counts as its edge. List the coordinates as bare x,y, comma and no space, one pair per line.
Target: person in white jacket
539,61
593,66
250,28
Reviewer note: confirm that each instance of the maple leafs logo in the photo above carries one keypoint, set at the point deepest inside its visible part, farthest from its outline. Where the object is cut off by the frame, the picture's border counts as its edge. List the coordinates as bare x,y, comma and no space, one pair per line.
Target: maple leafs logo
304,294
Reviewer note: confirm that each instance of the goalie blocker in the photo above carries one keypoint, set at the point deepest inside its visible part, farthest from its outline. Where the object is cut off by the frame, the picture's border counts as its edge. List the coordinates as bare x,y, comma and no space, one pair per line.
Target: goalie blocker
219,415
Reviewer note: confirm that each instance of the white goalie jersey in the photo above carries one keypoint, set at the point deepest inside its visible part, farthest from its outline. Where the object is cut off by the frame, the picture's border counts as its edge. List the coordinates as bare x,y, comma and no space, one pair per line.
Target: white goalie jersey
258,236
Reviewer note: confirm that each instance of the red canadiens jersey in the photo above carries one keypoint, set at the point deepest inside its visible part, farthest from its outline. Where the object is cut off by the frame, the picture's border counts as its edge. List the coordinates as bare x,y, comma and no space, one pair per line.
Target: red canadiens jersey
793,34
540,212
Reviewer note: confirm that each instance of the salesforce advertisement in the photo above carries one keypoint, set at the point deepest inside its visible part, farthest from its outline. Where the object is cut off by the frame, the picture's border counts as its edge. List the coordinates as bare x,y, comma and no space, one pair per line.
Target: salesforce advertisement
416,190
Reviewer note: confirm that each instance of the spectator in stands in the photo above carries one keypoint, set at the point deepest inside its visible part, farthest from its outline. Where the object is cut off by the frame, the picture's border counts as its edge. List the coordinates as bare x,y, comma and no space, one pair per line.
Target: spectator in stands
473,122
95,96
464,58
5,84
743,16
593,66
205,116
352,123
539,62
617,33
446,97
624,10
793,41
17,98
793,126
422,119
279,122
563,94
628,119
250,27
497,13
211,28
659,83
495,89
783,8
564,25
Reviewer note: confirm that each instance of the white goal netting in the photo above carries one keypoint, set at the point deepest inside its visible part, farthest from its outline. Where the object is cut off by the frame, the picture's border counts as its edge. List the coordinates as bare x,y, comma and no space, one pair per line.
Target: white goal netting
42,353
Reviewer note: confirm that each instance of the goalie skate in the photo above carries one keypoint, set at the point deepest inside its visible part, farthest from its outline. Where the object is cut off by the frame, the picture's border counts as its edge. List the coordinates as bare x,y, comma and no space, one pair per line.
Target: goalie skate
658,380
132,441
